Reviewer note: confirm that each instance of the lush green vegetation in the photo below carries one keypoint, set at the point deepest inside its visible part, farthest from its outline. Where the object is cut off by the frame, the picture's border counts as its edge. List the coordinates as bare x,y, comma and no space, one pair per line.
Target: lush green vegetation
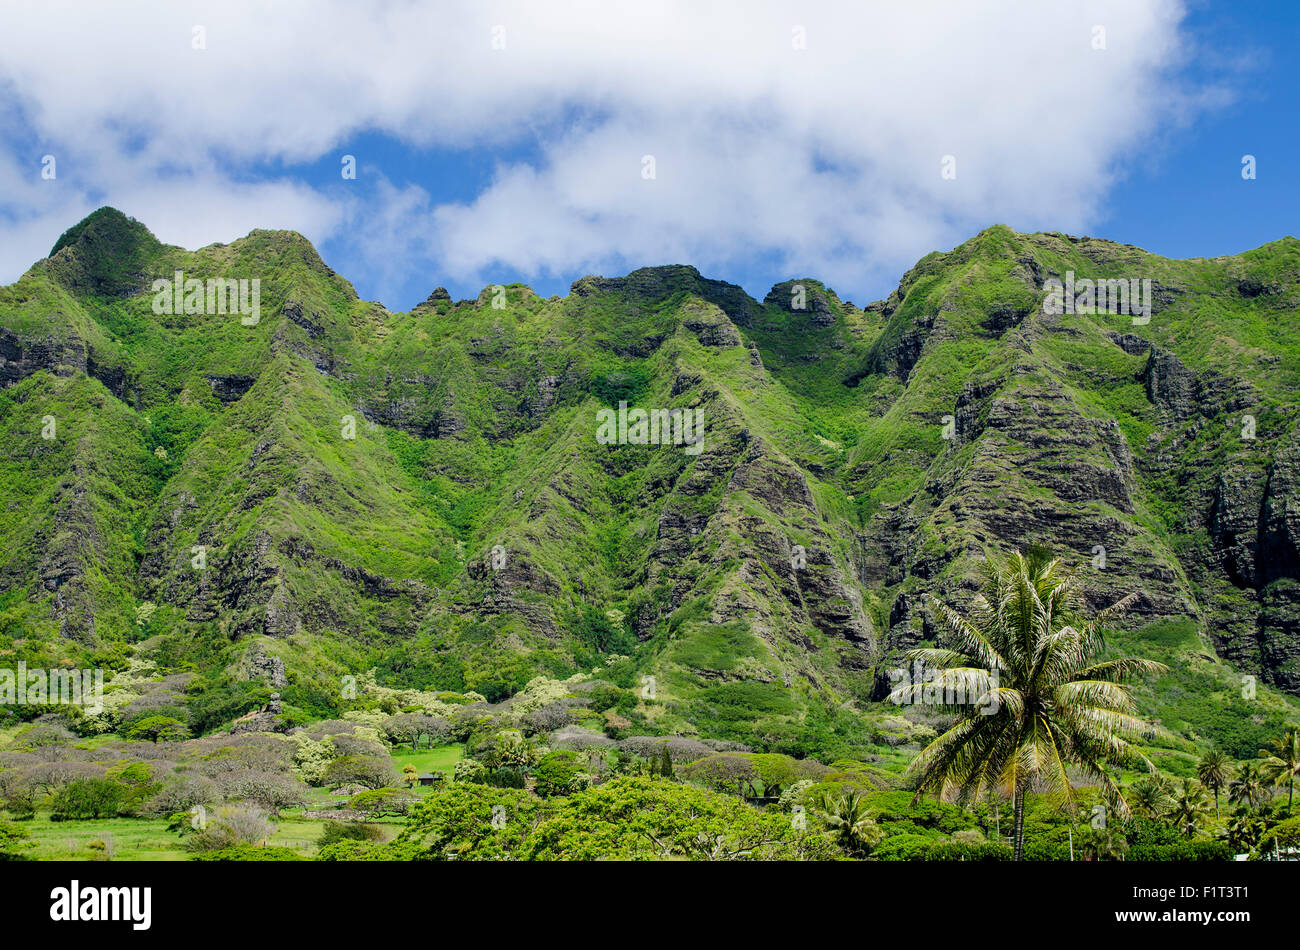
1033,696
321,554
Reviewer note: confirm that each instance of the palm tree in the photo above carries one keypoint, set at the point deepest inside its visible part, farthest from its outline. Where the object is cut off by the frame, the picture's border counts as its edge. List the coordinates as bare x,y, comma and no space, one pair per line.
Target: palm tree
1152,795
1282,765
1190,806
847,818
1244,831
1248,787
1030,694
1215,771
1103,844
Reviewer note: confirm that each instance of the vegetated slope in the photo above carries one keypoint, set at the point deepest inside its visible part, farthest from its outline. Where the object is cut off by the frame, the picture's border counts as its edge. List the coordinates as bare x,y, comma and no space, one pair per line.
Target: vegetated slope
340,486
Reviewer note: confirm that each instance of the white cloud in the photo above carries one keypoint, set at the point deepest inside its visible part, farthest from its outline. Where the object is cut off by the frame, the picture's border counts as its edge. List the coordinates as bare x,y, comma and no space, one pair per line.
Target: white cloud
826,159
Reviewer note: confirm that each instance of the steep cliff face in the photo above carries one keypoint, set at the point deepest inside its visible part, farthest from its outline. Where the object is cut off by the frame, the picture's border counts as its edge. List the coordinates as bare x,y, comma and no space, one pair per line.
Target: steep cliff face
429,489
1276,576
1142,450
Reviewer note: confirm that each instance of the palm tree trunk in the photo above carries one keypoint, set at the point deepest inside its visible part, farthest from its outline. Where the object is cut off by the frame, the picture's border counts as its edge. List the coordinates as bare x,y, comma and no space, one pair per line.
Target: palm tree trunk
1019,832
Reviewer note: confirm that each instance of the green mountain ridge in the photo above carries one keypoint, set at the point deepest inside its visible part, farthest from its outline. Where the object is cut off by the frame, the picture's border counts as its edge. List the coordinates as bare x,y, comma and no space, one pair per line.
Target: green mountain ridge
424,492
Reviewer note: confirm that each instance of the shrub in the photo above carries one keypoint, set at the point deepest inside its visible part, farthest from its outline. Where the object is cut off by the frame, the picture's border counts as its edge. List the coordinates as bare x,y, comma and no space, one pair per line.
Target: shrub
1052,851
961,851
470,771
1182,851
86,798
21,803
1144,832
598,632
336,831
724,771
246,852
372,851
645,819
507,776
608,696
230,826
904,847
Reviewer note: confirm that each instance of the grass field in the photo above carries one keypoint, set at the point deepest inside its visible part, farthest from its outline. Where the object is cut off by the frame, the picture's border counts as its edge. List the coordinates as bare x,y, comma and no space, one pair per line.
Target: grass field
147,839
441,759
128,839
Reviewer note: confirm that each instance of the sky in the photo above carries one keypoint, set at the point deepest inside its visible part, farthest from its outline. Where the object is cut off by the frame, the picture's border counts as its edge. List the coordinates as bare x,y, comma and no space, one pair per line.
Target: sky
504,140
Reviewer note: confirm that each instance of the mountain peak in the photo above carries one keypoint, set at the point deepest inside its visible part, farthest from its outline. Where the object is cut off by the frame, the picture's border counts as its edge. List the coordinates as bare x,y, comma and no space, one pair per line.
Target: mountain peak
106,254
656,283
106,225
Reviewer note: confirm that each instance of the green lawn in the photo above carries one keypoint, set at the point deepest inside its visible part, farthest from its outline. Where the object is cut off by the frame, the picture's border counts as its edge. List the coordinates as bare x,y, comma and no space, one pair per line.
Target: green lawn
147,839
298,833
131,839
442,759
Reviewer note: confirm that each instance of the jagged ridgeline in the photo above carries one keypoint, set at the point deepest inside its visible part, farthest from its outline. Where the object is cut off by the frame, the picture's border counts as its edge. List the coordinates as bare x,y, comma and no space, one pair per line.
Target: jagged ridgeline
223,457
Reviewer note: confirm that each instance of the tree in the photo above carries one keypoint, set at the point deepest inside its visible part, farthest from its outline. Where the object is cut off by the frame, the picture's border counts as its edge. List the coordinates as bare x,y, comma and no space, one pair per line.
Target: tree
1152,795
723,771
86,798
665,763
846,817
13,841
559,773
776,772
1282,765
272,791
412,727
1031,695
410,776
1215,771
471,822
137,782
158,728
384,801
1190,806
509,749
1244,831
365,770
1102,844
1249,787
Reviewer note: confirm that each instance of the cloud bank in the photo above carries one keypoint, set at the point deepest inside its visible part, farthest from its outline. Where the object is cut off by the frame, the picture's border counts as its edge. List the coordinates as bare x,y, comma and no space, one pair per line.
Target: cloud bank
811,136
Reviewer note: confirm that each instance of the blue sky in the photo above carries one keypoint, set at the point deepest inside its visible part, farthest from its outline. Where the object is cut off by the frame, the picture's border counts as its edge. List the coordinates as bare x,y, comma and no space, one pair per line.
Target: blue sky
1187,197
509,141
